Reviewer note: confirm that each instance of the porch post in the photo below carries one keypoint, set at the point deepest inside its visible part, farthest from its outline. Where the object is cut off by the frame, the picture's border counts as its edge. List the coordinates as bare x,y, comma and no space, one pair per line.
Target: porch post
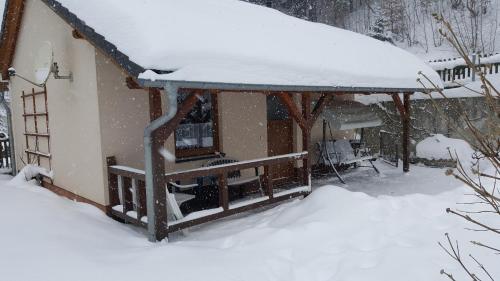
306,138
158,193
404,111
406,133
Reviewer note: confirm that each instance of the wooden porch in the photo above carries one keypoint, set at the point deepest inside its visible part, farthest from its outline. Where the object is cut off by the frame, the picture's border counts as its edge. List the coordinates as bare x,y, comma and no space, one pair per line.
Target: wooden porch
132,201
128,195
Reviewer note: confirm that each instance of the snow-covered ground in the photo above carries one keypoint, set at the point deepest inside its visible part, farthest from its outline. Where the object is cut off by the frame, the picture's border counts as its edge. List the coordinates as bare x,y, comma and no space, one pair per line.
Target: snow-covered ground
375,228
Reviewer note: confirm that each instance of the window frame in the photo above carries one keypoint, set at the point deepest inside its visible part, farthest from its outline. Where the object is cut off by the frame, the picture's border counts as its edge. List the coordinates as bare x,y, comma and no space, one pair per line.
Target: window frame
184,154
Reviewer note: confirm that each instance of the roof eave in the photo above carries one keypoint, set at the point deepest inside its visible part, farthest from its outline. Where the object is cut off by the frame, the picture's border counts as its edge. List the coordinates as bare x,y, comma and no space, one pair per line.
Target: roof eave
274,88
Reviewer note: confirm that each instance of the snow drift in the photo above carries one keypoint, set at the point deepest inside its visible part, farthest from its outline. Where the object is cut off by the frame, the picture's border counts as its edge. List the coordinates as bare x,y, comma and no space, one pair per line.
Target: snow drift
334,234
439,147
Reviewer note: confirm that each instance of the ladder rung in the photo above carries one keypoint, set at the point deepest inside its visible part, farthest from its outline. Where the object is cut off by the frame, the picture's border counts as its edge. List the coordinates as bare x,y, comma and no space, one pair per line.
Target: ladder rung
38,153
35,114
32,94
37,135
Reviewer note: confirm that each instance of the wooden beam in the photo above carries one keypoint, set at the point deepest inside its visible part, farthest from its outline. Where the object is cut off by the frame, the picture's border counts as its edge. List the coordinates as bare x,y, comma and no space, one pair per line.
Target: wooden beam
223,192
76,34
226,168
159,184
306,138
406,133
4,86
289,103
318,108
10,33
399,105
112,183
230,212
132,83
182,112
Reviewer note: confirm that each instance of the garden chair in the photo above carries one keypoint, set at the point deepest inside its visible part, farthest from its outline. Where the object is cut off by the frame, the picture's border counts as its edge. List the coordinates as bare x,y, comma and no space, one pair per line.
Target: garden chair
340,153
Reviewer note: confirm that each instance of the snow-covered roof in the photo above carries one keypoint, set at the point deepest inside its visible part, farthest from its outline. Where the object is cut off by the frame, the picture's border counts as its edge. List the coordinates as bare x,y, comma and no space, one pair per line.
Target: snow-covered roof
232,41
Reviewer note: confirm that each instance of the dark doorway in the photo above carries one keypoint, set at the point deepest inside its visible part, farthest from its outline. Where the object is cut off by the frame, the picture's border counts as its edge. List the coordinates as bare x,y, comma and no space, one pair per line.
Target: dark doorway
280,139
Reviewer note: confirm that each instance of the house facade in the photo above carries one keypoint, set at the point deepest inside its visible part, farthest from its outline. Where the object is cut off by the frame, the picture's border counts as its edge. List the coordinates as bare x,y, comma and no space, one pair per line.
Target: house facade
78,126
97,115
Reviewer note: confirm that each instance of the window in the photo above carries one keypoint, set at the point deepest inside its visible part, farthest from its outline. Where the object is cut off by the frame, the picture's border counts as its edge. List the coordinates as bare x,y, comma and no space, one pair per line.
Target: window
197,134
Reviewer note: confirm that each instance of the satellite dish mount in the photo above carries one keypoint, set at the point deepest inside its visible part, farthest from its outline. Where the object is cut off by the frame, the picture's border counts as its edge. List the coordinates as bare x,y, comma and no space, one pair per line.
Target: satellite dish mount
44,66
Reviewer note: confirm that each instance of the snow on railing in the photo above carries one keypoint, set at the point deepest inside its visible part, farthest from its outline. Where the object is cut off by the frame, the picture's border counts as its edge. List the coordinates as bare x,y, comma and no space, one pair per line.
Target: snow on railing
5,157
453,70
127,192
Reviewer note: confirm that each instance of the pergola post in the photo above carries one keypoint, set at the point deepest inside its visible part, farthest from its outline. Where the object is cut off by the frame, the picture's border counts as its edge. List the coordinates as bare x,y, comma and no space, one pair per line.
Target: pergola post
406,133
158,194
306,138
404,111
305,120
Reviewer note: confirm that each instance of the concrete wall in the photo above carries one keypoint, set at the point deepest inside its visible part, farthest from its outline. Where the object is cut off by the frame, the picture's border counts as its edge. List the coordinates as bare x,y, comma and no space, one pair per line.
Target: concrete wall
73,106
427,120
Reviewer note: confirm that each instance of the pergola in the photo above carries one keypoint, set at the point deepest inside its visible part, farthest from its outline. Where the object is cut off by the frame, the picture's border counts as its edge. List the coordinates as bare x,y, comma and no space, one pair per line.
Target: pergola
163,125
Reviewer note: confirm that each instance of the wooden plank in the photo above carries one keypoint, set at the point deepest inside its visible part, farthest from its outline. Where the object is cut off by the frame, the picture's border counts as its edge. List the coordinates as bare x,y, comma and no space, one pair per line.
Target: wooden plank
230,212
306,138
158,186
112,183
47,123
41,135
289,103
32,94
35,114
37,143
126,173
223,192
406,133
38,153
215,170
132,84
76,34
10,33
123,217
182,111
268,182
141,198
318,108
128,204
399,105
207,171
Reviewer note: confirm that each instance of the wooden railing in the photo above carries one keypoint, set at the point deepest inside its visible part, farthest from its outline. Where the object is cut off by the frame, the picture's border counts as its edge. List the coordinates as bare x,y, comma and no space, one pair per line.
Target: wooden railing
125,185
128,196
456,70
5,157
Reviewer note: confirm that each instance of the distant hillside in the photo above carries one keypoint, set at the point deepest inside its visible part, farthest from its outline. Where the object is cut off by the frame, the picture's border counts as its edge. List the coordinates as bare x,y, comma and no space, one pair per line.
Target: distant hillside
407,23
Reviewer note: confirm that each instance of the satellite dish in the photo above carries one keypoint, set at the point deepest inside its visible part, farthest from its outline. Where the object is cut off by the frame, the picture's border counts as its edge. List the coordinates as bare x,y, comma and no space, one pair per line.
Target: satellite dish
43,63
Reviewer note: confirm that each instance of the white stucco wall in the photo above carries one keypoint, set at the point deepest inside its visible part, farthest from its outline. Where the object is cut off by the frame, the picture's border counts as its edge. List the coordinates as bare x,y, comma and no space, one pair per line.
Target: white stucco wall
73,106
97,116
124,113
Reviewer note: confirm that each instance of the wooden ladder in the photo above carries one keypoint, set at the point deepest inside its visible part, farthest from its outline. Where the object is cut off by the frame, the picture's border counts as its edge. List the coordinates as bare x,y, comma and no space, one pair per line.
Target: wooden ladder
33,134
